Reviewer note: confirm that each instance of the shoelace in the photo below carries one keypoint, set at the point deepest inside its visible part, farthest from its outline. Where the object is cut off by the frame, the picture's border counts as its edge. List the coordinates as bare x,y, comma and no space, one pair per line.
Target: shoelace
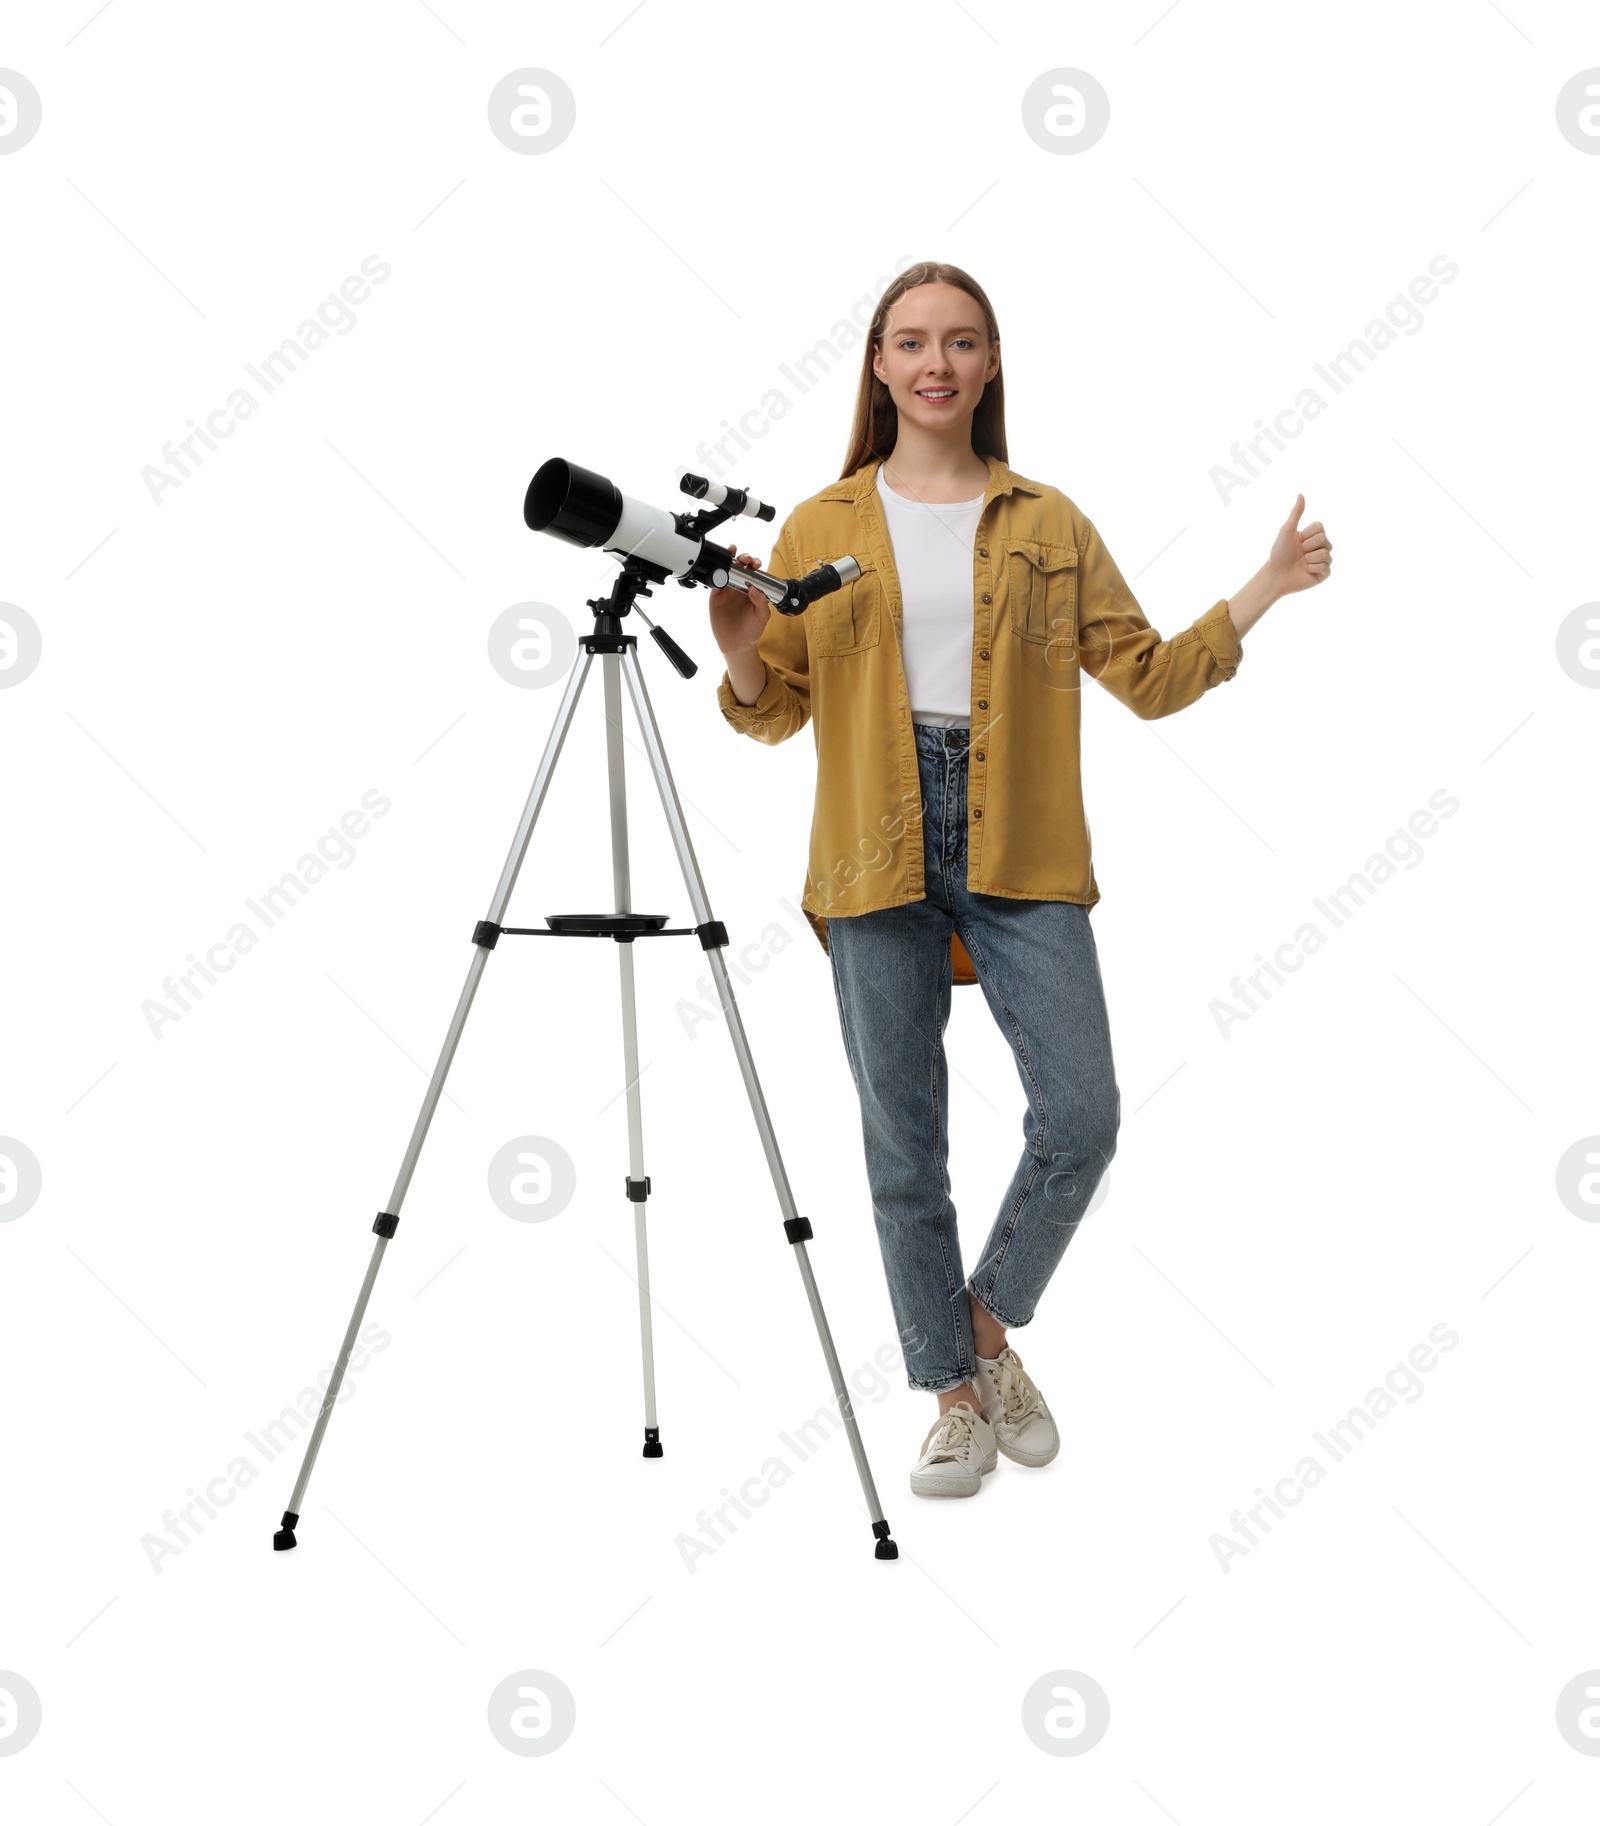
1019,1396
951,1431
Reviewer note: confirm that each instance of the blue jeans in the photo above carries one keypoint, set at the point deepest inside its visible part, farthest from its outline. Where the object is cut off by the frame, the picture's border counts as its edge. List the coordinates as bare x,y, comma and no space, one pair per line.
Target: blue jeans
1039,970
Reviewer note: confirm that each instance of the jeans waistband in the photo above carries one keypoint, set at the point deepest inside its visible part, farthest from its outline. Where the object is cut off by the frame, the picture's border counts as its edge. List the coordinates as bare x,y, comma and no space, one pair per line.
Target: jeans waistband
940,738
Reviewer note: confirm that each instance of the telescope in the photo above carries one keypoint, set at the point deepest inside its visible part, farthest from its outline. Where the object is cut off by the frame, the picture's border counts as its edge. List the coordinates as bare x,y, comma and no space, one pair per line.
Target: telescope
588,509
652,545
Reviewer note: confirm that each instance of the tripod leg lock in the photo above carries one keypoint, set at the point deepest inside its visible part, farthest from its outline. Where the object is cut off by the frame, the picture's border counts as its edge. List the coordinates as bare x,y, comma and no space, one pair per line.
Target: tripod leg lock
712,934
386,1223
486,933
638,1190
797,1229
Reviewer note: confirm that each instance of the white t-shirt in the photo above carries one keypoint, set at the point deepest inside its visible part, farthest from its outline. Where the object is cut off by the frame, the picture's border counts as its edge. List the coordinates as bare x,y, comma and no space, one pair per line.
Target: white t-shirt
932,545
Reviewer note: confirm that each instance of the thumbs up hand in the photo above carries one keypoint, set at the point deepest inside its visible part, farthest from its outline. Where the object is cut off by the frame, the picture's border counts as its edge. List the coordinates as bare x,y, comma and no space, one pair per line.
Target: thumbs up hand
1300,556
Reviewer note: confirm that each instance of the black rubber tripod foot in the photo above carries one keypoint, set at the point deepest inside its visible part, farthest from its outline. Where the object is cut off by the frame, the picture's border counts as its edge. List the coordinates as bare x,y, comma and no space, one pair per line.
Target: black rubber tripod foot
652,1443
284,1538
885,1549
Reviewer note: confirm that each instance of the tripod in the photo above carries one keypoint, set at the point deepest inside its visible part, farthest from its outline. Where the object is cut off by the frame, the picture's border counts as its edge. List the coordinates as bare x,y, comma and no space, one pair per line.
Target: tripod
618,651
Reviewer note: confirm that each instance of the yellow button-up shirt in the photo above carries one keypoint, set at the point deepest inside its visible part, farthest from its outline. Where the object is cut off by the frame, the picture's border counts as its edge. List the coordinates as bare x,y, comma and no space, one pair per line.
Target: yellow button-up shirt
1048,605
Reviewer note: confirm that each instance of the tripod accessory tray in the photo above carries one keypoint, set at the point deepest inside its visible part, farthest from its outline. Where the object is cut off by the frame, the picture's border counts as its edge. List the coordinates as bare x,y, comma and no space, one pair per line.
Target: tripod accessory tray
624,927
606,925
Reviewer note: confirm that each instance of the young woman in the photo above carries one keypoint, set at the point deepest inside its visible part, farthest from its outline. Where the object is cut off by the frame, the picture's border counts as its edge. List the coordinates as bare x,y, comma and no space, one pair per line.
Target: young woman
949,843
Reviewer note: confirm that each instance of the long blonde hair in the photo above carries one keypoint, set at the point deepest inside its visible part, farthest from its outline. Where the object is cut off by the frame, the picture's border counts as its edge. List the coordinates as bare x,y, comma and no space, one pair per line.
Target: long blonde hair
877,418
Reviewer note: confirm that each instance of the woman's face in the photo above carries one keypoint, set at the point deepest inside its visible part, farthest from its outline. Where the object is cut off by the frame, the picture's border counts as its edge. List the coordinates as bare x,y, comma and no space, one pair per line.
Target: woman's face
936,344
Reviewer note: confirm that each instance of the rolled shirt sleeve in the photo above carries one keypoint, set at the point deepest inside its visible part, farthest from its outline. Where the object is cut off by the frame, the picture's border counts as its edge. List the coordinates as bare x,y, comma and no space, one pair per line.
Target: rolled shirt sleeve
1118,646
784,706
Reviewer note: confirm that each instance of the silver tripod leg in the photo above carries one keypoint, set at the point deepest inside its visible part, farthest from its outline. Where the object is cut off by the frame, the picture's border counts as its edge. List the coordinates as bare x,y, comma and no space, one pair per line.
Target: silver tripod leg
388,1220
796,1227
638,1184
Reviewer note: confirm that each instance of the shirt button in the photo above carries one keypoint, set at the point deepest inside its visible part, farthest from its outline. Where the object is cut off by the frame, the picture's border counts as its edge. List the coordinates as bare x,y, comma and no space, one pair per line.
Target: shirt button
983,703
983,653
983,551
978,813
977,754
986,597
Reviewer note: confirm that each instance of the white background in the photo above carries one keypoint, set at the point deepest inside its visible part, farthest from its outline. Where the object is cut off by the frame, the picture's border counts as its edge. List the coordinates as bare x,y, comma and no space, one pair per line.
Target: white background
1292,1207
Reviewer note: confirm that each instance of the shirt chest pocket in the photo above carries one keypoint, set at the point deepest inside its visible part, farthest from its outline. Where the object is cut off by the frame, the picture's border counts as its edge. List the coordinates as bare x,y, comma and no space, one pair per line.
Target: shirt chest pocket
1042,587
850,619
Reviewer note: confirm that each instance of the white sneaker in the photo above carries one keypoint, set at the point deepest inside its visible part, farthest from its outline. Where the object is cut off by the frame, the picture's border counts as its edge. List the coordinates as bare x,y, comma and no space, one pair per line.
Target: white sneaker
1024,1428
957,1454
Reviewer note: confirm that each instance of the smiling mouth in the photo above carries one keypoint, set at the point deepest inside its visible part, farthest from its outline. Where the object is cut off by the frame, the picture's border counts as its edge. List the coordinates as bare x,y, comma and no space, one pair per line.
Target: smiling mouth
936,394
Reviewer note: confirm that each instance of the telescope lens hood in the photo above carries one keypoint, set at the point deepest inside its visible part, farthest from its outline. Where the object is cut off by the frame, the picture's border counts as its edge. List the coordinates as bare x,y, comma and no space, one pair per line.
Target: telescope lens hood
572,503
